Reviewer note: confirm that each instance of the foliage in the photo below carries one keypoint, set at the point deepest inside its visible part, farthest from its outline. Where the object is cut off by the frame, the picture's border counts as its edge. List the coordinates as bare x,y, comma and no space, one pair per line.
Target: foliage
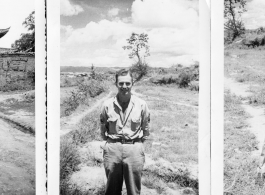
91,88
139,70
86,89
136,43
185,79
72,102
27,40
233,23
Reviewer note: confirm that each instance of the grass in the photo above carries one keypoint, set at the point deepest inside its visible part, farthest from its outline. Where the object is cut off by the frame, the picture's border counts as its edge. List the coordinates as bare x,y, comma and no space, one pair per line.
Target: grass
248,68
239,167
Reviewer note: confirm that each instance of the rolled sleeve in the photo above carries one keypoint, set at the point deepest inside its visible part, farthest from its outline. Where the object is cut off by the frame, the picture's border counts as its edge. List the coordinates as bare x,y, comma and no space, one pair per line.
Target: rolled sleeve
145,122
103,123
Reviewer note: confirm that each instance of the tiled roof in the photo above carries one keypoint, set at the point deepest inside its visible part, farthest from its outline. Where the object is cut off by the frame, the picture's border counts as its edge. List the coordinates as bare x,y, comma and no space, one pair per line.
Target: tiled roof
3,32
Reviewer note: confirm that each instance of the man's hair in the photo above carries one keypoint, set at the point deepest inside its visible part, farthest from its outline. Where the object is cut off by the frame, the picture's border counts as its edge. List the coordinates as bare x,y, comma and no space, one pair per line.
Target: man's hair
123,72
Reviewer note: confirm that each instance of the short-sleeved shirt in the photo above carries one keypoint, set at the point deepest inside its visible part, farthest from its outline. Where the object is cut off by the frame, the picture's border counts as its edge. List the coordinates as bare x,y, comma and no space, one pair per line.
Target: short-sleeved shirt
133,123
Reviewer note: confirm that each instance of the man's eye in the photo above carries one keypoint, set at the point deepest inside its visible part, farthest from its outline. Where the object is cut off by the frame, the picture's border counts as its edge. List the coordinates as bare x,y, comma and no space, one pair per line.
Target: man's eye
128,84
121,84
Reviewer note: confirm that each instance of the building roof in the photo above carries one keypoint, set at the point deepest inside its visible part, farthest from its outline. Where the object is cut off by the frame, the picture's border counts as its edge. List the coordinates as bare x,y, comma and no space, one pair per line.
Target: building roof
20,54
3,32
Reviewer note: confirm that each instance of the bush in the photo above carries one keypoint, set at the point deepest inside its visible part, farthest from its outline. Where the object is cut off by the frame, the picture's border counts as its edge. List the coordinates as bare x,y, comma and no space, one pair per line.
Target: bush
139,70
165,79
14,86
92,88
86,89
184,79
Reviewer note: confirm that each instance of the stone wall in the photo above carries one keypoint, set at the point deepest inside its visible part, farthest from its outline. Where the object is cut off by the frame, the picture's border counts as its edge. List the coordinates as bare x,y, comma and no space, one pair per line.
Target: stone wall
18,62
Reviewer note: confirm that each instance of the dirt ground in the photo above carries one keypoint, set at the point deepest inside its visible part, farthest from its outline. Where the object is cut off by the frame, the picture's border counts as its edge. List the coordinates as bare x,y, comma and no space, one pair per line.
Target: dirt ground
257,117
17,164
17,145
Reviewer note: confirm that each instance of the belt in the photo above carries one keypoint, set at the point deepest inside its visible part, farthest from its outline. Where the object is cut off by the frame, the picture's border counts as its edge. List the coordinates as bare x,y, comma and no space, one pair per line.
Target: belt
125,141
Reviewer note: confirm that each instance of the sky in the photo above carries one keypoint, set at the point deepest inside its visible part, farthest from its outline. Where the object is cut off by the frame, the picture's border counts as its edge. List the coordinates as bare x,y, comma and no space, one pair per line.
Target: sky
94,31
12,14
255,15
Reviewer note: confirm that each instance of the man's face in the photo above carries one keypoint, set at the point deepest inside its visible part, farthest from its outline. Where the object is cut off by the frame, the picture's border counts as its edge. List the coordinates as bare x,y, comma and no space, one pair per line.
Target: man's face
124,84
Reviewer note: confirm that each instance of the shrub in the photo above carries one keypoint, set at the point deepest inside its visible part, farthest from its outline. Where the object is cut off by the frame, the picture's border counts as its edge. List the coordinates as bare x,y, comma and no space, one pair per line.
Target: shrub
91,88
184,79
72,102
86,89
139,70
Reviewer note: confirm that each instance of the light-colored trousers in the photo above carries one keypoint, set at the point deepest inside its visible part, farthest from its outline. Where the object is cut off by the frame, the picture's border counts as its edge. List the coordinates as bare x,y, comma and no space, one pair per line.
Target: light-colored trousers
123,162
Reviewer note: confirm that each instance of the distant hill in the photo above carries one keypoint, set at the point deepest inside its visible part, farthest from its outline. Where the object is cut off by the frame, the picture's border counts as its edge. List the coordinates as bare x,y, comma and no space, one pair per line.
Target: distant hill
88,69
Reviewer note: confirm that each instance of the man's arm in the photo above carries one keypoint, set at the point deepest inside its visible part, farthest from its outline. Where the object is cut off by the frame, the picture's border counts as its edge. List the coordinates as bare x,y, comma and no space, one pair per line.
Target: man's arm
145,122
103,123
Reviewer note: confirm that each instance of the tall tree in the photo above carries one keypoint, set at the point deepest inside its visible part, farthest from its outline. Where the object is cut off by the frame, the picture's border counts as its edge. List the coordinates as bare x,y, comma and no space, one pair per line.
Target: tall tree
139,48
232,13
26,42
136,44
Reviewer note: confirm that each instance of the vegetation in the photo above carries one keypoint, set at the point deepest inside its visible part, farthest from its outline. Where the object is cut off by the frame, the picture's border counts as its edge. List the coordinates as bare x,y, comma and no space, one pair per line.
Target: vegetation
240,168
136,44
233,22
184,77
86,89
27,40
240,164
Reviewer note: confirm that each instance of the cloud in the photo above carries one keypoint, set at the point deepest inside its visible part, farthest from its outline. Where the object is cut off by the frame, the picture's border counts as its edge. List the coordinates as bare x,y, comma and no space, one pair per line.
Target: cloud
164,13
113,12
172,30
254,17
68,9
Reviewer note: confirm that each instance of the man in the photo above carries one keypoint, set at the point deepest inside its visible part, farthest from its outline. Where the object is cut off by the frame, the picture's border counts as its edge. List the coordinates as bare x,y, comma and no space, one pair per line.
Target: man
125,123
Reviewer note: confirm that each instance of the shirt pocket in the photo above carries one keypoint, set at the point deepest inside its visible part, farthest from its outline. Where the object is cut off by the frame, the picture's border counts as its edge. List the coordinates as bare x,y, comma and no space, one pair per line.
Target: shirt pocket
113,122
135,123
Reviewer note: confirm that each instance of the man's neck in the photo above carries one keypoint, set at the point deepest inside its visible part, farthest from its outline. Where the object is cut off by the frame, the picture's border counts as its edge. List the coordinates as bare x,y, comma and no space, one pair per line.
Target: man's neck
123,99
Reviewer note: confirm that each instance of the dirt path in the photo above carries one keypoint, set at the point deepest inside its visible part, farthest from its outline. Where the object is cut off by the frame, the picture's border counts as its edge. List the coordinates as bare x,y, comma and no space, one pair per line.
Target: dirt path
69,123
257,120
17,161
18,96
